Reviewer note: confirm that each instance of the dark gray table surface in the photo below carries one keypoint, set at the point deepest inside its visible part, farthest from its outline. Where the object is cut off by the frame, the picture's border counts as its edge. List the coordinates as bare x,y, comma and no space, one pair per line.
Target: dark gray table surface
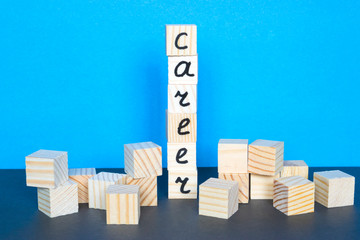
172,219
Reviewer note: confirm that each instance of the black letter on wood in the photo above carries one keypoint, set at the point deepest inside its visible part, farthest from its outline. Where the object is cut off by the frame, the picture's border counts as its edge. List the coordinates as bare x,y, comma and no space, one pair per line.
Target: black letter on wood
177,41
183,124
183,183
181,153
182,96
186,70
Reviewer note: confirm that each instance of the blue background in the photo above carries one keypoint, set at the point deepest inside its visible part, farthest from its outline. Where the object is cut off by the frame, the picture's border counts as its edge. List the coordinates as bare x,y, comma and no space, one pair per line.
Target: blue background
89,76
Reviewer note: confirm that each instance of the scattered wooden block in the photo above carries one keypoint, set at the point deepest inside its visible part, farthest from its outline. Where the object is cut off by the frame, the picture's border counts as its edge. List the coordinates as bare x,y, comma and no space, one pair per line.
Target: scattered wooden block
261,186
46,169
183,70
143,159
243,183
59,201
147,188
295,168
81,177
334,188
182,184
218,198
181,127
181,40
122,204
182,98
294,195
98,185
266,157
181,156
233,156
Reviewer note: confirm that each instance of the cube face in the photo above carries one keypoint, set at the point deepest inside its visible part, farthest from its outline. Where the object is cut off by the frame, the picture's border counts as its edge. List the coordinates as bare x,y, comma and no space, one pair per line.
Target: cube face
233,156
181,127
183,70
295,168
261,186
147,189
266,157
182,184
181,156
81,177
182,98
181,40
243,183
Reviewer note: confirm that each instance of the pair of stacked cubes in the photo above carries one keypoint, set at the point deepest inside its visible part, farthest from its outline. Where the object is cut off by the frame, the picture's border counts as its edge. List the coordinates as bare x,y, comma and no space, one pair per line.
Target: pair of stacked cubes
181,115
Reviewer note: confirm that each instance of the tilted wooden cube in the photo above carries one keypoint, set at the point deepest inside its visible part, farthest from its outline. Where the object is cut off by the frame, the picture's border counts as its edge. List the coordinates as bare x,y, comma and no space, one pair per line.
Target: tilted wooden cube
182,184
294,195
261,186
183,70
147,188
218,198
123,204
46,169
243,182
233,156
143,159
181,40
295,168
334,188
98,185
182,98
266,157
181,127
81,177
59,201
181,156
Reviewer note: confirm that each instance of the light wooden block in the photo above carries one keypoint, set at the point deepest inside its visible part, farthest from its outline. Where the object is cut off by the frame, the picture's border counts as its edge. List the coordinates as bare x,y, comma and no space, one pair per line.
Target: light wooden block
233,156
266,157
81,177
147,188
98,185
183,70
243,183
181,127
59,201
295,168
294,195
182,98
143,159
46,169
123,204
218,198
334,188
261,186
181,156
181,40
182,184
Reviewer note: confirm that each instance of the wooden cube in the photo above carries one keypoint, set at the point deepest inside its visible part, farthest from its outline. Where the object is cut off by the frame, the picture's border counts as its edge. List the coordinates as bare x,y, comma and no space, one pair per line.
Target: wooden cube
46,169
262,186
334,188
181,156
98,185
147,188
295,168
181,127
218,198
294,195
233,156
266,157
243,183
182,184
181,40
123,204
143,159
182,98
183,70
81,177
59,201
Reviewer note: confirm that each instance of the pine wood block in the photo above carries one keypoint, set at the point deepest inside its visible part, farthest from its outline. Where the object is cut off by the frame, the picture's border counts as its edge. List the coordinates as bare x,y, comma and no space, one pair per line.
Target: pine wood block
181,156
294,195
183,70
334,188
81,177
181,127
243,183
182,98
97,186
295,168
182,184
266,157
233,156
59,201
123,204
181,40
262,186
218,198
143,159
46,169
147,188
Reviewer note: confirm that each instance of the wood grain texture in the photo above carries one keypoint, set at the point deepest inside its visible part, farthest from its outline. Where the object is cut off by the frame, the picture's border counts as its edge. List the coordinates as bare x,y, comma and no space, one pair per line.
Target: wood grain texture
334,188
295,168
243,183
147,188
46,169
218,198
183,70
143,159
187,41
175,121
59,201
266,157
261,186
294,195
123,204
184,152
233,156
182,98
182,180
81,177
